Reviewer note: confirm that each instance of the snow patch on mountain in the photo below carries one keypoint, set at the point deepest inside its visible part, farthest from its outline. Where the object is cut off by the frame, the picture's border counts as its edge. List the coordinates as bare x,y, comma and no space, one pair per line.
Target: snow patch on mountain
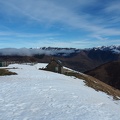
113,48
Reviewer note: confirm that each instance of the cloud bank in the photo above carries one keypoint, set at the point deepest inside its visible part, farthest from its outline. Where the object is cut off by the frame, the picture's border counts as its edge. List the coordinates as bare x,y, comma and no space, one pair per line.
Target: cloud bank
32,52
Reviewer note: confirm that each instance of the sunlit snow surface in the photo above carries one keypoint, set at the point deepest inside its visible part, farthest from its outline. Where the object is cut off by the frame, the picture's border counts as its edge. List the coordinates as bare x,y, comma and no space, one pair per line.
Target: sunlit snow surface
40,95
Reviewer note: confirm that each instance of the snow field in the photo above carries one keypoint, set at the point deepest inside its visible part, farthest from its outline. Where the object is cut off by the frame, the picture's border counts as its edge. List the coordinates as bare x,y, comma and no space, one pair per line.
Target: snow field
40,95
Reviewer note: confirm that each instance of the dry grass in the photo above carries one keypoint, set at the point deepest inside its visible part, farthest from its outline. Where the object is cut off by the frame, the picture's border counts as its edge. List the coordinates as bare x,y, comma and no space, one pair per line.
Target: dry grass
4,72
96,84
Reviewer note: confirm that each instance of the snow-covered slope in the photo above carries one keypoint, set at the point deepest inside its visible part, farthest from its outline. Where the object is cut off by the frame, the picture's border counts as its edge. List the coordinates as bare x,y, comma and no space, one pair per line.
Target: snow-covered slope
40,95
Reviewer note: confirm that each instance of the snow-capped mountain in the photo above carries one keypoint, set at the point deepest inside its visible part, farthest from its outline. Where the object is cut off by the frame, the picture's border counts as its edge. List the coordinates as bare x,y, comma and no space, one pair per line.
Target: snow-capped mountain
54,51
77,59
114,49
41,95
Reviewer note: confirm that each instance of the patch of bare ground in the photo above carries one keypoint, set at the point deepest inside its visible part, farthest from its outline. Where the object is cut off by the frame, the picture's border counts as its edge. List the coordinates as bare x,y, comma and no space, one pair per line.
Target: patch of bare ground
95,84
4,72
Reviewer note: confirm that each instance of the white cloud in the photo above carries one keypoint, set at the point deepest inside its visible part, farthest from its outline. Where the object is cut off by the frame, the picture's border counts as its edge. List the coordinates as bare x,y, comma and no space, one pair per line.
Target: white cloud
113,7
55,11
51,12
31,52
28,35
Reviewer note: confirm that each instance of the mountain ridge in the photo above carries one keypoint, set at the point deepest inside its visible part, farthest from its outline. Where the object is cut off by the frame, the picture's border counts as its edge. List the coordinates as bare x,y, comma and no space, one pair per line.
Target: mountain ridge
78,59
54,50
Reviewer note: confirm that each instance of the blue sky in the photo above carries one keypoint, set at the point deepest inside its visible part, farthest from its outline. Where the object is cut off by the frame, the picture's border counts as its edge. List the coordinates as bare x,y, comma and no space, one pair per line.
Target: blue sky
57,23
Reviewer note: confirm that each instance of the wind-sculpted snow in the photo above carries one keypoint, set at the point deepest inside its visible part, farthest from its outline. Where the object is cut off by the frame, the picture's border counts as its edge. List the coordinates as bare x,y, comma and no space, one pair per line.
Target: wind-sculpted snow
40,95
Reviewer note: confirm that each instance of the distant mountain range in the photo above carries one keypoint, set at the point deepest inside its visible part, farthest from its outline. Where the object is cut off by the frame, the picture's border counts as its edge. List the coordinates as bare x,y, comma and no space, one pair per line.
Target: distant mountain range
54,51
77,59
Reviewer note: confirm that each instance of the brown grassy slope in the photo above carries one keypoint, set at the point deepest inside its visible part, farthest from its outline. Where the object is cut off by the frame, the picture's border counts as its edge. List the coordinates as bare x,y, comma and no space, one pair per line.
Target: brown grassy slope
108,73
6,72
95,84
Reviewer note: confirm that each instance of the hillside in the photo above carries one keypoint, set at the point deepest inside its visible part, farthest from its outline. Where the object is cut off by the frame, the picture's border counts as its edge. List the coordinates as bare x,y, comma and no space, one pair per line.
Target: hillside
108,73
78,59
41,95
